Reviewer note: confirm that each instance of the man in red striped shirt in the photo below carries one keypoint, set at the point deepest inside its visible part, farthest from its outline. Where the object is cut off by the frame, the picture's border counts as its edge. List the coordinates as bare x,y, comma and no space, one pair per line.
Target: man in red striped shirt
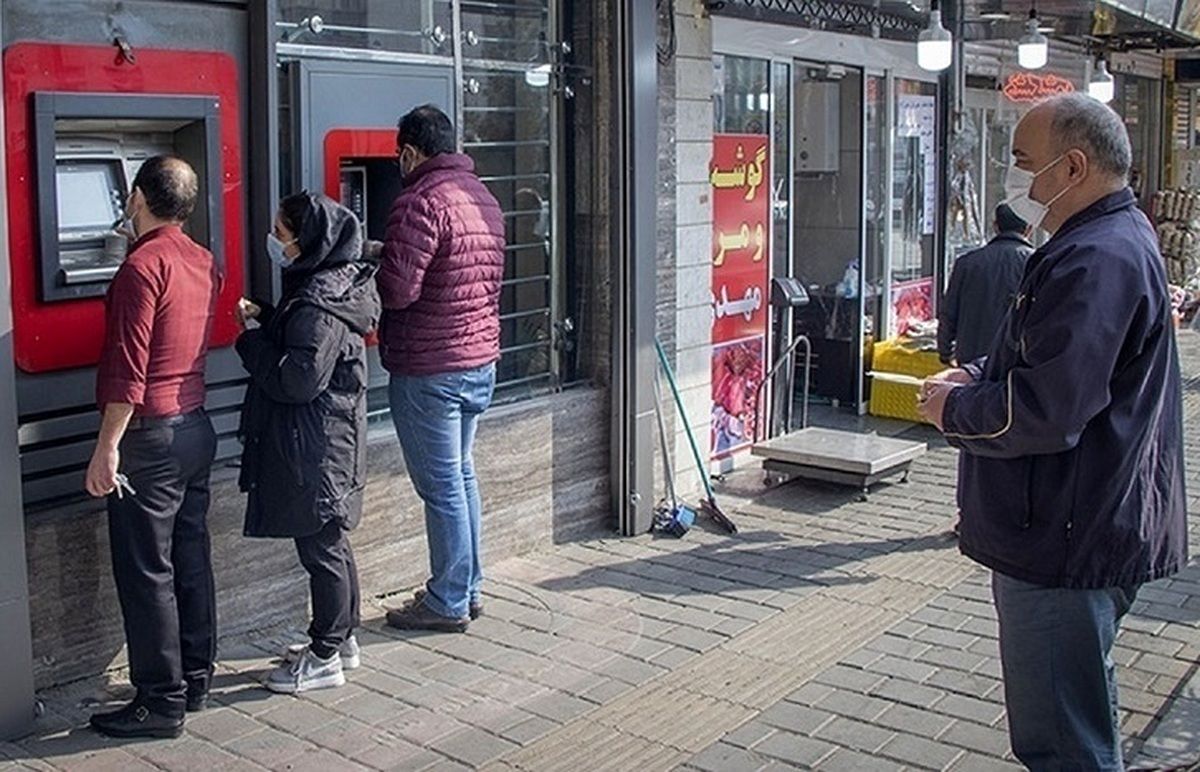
155,453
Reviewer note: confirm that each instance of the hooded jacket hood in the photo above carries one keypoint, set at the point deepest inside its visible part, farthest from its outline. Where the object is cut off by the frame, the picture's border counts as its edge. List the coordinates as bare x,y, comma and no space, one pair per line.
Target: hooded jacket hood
330,272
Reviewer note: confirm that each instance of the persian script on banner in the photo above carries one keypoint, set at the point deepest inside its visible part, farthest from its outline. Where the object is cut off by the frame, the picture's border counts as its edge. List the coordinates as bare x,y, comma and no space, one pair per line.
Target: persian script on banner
740,177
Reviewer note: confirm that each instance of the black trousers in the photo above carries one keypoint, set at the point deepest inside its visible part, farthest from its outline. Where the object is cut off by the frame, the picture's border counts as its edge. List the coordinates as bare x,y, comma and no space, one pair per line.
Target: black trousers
162,559
333,584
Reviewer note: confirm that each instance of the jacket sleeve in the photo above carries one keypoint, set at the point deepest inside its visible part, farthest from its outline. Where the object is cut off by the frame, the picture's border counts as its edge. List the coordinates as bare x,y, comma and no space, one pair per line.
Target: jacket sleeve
299,370
409,247
1071,340
948,318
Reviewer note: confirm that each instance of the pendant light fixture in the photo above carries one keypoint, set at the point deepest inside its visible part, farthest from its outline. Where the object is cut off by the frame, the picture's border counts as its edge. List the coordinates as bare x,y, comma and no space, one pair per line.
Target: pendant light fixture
1101,85
935,44
1033,48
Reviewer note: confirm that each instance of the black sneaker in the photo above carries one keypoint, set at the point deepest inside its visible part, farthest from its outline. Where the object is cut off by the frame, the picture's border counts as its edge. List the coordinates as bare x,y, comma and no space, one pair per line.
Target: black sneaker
474,610
137,720
418,616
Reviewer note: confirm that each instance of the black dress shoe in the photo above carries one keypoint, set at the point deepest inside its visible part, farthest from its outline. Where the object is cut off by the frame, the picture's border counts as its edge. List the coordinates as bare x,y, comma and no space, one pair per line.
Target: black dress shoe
197,698
418,616
137,720
474,610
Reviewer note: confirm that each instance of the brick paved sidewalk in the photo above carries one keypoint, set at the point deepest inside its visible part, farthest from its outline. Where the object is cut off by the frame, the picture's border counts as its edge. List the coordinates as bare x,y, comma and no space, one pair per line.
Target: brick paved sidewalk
829,633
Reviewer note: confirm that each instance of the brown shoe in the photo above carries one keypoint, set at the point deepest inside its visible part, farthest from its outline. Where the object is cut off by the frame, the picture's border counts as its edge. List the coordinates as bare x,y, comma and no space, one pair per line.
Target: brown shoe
474,610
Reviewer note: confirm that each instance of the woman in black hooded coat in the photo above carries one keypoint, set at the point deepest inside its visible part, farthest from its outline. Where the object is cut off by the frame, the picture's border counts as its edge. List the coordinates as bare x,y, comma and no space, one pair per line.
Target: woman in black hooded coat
304,421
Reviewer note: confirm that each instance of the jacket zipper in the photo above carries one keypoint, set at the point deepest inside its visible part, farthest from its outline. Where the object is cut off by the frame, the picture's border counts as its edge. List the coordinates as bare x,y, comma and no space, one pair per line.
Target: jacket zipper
1029,499
1067,547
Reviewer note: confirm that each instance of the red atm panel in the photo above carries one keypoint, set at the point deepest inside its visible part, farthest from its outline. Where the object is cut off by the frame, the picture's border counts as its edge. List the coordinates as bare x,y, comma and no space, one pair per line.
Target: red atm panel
342,144
355,144
67,334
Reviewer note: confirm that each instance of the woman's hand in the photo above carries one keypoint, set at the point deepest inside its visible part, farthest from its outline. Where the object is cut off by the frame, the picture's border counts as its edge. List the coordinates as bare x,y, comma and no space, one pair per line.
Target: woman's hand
246,310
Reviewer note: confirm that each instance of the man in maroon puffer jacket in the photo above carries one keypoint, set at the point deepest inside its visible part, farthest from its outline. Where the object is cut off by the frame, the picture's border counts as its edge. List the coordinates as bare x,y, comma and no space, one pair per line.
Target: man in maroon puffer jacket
439,280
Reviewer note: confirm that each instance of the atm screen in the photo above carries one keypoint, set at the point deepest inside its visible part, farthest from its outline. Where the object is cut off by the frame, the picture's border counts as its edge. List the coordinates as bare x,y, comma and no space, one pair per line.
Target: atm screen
89,196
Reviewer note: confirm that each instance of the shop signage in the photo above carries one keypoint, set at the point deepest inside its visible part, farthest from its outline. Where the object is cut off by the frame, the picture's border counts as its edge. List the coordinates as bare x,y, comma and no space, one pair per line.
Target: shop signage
1030,86
740,177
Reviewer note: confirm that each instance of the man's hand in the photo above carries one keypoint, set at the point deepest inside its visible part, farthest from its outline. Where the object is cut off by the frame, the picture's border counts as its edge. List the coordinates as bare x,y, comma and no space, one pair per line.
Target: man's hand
931,401
953,375
246,310
102,471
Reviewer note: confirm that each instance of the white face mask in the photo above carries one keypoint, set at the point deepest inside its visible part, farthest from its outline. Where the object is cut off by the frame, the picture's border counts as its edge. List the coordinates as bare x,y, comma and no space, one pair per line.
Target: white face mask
1018,189
275,250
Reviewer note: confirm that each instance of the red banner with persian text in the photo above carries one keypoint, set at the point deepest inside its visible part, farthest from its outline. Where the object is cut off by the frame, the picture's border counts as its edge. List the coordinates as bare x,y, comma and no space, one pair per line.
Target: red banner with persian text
740,177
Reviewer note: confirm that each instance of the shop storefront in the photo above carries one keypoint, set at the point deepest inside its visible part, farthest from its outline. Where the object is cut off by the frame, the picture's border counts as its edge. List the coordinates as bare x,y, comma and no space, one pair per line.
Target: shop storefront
998,93
851,126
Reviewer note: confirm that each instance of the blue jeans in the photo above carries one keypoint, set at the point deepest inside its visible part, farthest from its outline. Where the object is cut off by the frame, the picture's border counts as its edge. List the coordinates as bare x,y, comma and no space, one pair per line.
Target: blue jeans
435,418
1060,687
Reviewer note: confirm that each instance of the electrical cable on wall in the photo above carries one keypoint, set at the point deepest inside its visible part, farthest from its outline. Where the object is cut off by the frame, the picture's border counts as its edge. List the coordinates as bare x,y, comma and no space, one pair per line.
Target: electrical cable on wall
667,39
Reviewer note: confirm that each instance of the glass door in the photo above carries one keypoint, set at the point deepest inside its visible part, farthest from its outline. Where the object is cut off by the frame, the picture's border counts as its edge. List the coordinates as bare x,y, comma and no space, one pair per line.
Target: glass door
875,225
827,223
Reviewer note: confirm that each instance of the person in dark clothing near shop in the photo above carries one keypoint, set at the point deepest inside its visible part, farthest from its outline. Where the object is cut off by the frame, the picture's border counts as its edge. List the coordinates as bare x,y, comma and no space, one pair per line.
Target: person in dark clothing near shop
304,422
1071,481
982,285
439,280
155,452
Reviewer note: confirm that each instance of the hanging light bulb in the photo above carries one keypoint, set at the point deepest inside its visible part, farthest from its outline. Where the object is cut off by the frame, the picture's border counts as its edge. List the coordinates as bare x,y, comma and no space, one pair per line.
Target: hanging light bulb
1102,85
935,44
1032,48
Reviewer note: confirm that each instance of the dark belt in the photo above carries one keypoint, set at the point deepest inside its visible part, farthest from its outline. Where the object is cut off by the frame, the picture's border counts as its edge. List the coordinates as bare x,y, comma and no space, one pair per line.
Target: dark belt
159,421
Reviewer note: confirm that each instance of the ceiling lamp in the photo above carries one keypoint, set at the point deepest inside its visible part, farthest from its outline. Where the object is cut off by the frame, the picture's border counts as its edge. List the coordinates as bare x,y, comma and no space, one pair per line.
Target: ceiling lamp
935,44
1101,85
1032,48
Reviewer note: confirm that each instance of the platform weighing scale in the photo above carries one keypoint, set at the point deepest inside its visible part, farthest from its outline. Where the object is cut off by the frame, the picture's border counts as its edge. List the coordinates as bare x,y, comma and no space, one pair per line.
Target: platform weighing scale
815,453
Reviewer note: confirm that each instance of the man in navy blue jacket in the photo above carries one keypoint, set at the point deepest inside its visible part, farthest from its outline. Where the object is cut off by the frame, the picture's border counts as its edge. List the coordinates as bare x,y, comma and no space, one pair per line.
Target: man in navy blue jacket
1071,481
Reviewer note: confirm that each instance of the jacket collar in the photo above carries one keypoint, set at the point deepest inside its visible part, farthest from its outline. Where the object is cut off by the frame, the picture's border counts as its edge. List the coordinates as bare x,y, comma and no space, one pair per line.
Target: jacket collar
1012,236
444,162
1113,202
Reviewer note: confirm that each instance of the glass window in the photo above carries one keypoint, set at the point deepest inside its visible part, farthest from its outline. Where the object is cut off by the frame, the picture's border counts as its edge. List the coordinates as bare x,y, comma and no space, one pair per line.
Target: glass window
965,225
410,26
1001,125
781,99
1139,103
875,202
914,204
742,98
507,126
506,30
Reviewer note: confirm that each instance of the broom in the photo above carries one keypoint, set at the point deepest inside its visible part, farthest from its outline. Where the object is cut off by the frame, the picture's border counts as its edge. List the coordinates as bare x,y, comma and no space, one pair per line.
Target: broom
709,504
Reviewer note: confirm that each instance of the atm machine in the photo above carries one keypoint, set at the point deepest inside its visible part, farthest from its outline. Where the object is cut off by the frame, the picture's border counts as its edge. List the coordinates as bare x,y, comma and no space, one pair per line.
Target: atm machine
345,146
81,121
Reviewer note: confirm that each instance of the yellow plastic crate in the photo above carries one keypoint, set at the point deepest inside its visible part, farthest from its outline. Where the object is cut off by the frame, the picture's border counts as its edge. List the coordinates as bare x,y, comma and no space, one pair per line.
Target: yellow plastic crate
897,400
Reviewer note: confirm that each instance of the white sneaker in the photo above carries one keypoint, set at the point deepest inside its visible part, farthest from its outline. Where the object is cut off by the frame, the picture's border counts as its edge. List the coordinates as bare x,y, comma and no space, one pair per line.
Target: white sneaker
308,672
350,653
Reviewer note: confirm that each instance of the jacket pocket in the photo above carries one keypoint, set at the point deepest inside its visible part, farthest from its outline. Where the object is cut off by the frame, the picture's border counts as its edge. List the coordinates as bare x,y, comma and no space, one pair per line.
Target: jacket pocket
305,442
